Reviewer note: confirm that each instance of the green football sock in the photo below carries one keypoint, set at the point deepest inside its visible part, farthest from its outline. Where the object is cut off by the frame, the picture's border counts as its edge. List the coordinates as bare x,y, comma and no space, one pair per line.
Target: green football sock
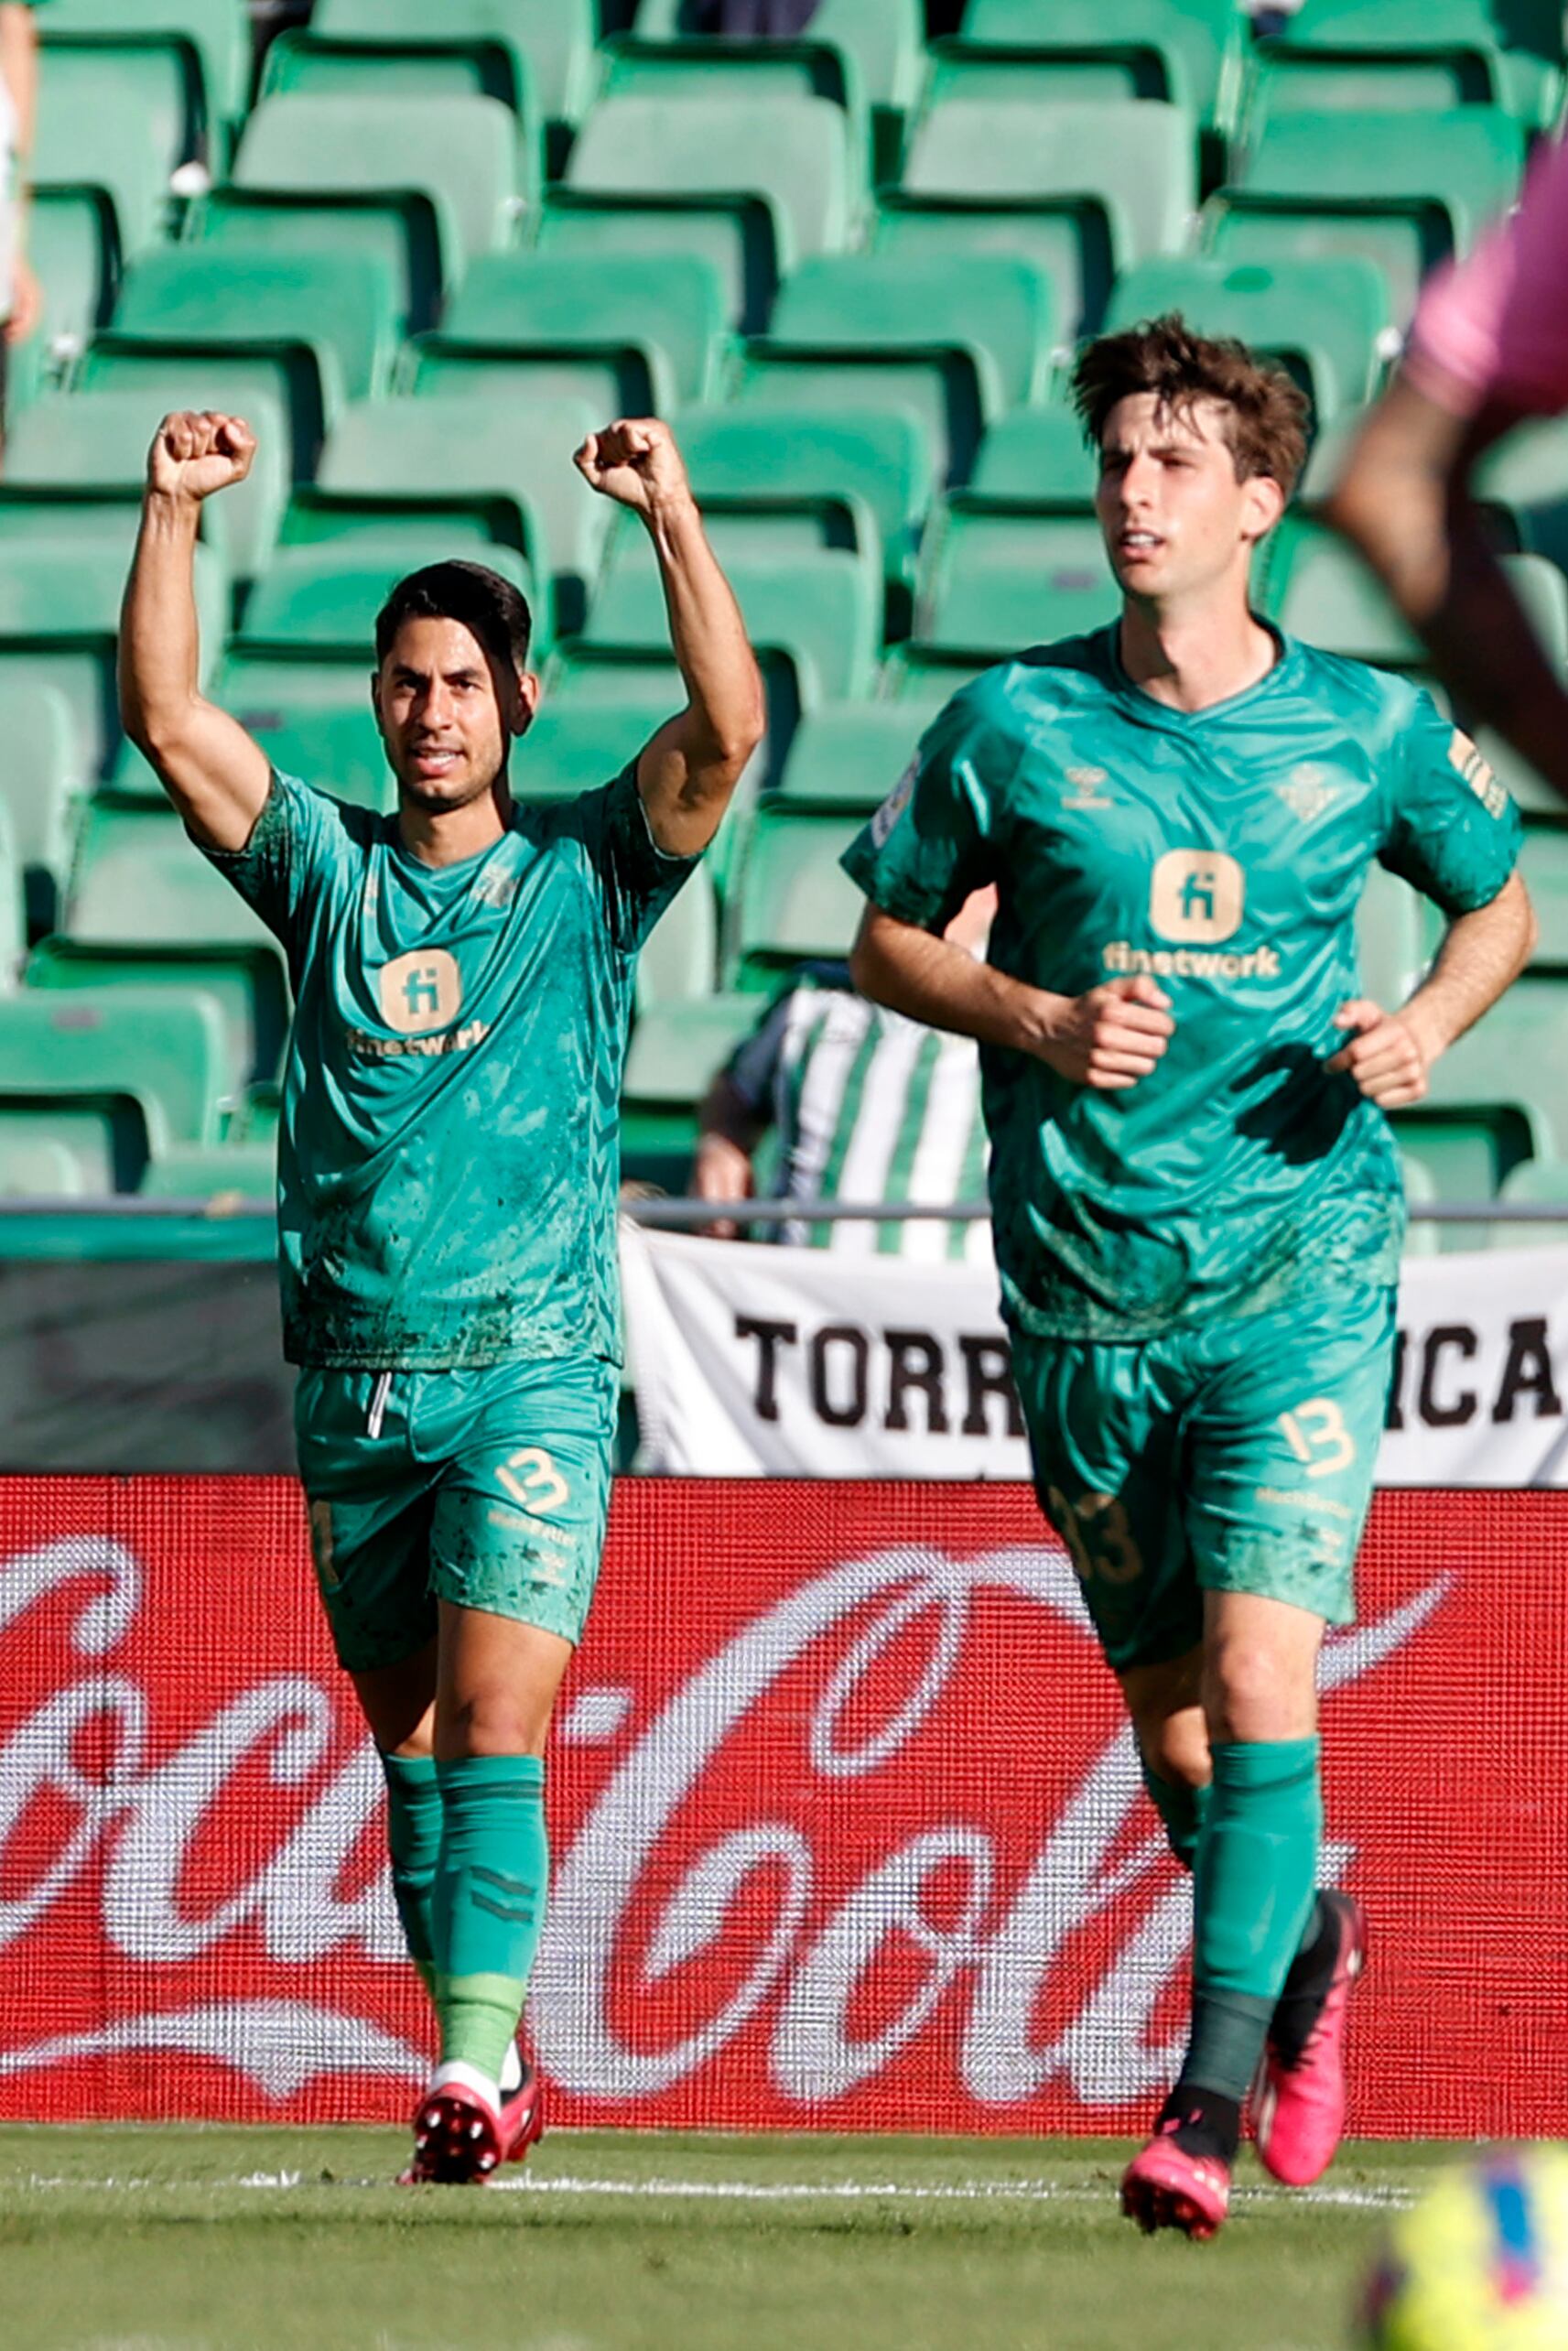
1254,1886
489,1904
1182,1809
414,1838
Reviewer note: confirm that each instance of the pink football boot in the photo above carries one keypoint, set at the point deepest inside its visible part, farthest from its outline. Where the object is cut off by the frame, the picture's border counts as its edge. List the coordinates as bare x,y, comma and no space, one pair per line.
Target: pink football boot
1299,2106
1169,2187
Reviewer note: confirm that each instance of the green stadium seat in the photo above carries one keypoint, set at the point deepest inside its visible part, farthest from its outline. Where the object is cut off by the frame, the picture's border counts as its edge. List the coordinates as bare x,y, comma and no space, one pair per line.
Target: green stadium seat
41,788
819,613
324,600
878,45
795,900
247,984
1415,53
35,1164
74,247
817,477
146,1065
634,338
424,184
1523,1043
1316,588
953,346
77,463
1536,1183
547,42
337,749
574,746
214,32
1525,476
676,1046
139,880
976,608
1420,1184
89,141
1089,51
215,1175
975,564
1035,458
318,331
680,960
849,756
756,186
1390,928
1083,191
1328,321
59,621
1543,864
257,1115
156,83
454,476
883,38
1401,190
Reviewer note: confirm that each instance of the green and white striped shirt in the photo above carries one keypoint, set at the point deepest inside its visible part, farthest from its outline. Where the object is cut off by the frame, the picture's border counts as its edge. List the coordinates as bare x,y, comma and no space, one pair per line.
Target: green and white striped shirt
868,1106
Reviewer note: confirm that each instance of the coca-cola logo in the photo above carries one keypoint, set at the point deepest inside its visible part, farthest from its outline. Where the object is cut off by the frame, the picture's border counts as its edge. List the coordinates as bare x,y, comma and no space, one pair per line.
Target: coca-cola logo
878,1830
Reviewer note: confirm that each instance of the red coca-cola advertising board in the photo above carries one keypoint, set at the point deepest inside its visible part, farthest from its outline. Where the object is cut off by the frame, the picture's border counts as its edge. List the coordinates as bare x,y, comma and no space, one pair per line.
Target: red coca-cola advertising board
848,1832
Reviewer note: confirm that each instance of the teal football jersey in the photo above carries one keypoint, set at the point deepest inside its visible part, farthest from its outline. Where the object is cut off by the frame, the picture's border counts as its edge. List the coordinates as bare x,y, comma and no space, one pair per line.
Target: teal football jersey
1223,851
448,1156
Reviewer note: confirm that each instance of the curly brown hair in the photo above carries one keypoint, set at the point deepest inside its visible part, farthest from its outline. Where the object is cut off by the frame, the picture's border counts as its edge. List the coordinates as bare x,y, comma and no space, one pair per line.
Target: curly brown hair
1266,418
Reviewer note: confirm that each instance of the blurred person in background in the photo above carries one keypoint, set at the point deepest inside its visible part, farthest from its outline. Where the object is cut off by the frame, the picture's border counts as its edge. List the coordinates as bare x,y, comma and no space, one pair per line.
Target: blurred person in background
864,1105
1488,351
21,303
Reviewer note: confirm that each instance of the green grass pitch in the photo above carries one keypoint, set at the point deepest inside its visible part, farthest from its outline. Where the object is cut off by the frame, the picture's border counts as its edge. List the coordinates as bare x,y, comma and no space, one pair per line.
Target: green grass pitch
134,2237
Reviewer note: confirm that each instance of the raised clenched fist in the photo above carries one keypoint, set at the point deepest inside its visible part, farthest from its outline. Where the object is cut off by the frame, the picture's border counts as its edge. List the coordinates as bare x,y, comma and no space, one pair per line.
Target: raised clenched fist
195,453
635,461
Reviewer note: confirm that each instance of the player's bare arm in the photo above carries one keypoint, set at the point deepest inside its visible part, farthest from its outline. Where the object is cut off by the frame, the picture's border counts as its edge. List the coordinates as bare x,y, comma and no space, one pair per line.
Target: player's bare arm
1391,1053
1405,499
216,776
689,769
1109,1038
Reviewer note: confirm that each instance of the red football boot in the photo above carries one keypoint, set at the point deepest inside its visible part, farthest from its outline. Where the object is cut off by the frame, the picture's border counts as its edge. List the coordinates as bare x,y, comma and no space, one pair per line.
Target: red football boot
1299,2106
1170,2186
461,2136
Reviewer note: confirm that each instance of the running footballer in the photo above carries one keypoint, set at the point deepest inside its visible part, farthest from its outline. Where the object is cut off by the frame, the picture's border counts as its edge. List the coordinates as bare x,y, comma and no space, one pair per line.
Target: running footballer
1196,1194
462,980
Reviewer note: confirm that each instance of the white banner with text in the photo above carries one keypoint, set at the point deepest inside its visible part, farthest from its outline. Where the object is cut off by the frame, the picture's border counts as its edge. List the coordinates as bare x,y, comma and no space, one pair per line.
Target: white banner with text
758,1361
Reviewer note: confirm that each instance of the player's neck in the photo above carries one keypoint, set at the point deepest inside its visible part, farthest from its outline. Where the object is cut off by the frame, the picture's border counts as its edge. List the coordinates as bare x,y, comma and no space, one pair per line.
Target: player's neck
449,836
1189,659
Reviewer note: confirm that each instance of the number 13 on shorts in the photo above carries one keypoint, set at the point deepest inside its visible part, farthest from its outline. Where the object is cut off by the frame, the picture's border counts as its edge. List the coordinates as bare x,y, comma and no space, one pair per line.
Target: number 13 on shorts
1316,1434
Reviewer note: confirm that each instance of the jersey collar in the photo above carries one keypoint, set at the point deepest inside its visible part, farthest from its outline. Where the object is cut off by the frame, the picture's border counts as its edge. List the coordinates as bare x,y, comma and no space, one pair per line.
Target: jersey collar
1151,713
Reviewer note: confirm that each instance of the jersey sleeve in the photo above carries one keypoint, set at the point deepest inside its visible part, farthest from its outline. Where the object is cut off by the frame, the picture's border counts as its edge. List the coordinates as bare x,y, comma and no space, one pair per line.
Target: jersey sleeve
934,839
1452,831
292,851
636,879
1494,327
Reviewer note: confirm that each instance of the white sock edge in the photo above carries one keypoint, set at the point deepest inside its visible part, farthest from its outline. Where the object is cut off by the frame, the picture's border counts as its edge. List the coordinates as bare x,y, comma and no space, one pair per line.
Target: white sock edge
455,2074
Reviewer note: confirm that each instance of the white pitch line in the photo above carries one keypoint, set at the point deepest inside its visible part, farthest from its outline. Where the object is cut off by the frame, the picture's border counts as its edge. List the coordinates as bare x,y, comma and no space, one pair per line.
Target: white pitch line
1346,2199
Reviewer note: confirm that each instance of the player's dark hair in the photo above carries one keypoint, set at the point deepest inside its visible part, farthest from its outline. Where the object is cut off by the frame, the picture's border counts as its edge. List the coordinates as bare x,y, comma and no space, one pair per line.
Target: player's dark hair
490,606
1266,424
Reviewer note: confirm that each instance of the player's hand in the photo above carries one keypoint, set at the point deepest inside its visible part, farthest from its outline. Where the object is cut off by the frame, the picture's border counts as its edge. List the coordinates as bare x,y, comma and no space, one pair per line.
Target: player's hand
635,461
194,454
27,301
723,1172
1109,1038
1385,1056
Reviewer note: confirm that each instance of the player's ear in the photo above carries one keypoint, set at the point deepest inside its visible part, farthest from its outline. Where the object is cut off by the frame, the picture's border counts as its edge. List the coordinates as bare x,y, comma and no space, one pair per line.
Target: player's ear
376,699
1262,504
525,701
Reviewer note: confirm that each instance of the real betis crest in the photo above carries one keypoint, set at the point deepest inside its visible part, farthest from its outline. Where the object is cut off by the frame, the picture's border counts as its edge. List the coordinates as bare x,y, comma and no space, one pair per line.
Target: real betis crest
1307,792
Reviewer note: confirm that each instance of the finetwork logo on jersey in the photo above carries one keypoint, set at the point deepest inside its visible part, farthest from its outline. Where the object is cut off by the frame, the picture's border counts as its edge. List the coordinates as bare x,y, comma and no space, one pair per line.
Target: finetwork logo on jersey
420,997
1198,896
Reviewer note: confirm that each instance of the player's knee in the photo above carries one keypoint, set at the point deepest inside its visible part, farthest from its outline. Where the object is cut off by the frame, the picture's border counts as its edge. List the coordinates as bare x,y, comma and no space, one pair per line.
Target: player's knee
491,1722
1254,1691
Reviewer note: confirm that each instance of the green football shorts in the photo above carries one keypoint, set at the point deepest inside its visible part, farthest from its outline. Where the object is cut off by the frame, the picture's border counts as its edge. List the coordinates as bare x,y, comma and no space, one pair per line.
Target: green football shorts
1234,1459
487,1488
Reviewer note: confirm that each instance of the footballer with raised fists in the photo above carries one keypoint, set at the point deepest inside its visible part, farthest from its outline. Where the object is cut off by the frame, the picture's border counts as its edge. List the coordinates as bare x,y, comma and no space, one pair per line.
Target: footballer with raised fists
1196,1199
462,974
